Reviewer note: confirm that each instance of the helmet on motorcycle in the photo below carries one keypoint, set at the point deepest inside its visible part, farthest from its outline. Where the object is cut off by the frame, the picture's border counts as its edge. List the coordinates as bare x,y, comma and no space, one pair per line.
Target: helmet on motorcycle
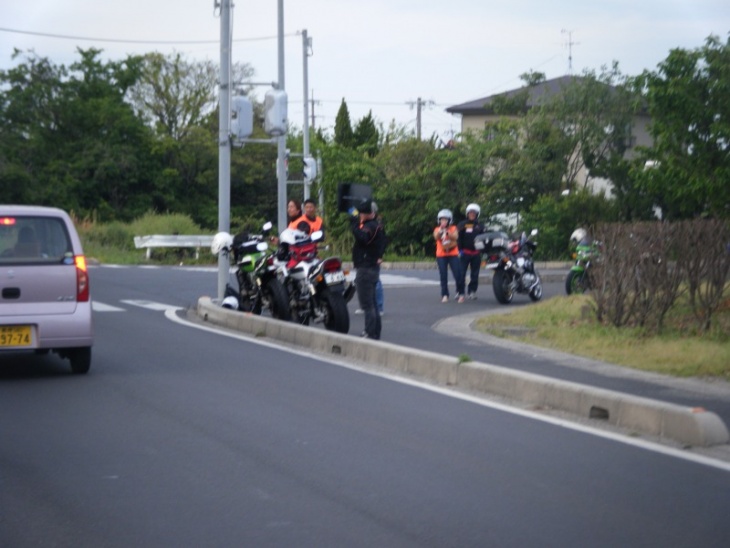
221,242
578,235
230,303
444,214
292,236
475,208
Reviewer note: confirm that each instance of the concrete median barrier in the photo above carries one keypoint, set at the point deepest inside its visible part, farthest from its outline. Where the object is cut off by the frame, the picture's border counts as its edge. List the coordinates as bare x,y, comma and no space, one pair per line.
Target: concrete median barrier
688,426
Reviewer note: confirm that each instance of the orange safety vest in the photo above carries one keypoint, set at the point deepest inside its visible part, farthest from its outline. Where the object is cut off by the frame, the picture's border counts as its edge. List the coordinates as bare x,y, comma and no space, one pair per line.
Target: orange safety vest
446,247
314,225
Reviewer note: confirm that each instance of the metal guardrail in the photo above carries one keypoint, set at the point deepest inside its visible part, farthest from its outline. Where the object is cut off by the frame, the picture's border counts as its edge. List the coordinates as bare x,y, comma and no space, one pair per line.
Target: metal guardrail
182,240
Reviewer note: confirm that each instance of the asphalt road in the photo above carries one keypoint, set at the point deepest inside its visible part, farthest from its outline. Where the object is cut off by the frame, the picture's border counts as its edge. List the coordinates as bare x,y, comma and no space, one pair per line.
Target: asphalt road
185,437
415,317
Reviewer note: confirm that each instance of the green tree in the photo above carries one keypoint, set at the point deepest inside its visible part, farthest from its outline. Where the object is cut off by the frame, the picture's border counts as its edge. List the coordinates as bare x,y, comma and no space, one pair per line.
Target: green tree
595,113
78,143
366,136
688,102
344,135
526,158
174,94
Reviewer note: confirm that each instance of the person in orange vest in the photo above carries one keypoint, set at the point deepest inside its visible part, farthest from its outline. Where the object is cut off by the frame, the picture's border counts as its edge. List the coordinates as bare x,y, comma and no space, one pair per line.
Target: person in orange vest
293,211
447,255
310,221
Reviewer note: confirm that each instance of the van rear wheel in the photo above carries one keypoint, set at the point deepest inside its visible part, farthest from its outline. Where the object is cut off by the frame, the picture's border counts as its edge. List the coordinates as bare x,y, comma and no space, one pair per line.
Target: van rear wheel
80,360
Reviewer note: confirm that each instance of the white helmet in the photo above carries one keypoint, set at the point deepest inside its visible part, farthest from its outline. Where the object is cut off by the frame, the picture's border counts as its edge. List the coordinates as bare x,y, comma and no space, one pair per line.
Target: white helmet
221,241
230,303
444,214
475,208
578,235
292,236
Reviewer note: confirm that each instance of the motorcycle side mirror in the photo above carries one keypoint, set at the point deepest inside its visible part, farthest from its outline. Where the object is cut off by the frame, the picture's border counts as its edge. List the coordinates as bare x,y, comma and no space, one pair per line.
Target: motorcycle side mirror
262,246
317,235
534,232
268,226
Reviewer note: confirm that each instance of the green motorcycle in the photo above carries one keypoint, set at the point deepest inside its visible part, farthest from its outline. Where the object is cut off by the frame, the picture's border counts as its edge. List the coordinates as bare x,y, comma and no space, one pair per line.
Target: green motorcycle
259,288
586,251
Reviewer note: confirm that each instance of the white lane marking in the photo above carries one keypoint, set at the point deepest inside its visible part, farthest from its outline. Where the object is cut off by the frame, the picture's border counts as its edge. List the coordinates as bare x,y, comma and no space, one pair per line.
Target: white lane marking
399,279
152,305
96,306
563,423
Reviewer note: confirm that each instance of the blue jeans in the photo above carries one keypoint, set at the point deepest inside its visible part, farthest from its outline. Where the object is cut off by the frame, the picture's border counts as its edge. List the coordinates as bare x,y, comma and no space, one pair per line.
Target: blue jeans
379,297
366,278
444,263
474,262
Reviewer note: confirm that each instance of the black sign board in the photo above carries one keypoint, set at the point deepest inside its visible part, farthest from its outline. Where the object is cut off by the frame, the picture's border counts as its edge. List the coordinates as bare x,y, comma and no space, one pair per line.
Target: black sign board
351,194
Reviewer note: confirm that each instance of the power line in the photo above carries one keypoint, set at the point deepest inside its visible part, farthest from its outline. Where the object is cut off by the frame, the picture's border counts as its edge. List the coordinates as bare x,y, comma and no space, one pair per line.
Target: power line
125,41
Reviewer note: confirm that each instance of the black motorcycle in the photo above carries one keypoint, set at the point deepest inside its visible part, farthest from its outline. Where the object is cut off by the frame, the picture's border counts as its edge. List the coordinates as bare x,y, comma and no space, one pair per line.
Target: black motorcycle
513,265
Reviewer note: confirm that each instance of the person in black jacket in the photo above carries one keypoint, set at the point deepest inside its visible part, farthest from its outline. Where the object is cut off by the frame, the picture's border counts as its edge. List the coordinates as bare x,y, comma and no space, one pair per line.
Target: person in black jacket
469,256
367,254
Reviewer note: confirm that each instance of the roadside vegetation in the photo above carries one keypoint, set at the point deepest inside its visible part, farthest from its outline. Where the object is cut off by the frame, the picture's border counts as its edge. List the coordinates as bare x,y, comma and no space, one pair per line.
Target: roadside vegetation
113,243
569,324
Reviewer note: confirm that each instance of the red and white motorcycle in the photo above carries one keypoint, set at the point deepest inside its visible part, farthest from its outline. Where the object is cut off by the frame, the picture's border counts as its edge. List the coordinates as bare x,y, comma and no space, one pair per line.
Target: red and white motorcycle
318,289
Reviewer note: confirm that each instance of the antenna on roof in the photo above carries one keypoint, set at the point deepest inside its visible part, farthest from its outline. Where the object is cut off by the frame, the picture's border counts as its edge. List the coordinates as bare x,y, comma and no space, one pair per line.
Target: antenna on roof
570,45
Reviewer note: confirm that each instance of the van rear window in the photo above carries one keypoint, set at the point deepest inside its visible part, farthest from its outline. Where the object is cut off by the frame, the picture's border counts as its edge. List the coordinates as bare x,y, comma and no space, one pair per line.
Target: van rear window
34,240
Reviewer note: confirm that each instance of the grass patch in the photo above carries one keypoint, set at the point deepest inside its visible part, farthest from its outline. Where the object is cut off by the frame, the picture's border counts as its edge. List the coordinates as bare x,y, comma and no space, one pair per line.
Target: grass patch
569,324
113,243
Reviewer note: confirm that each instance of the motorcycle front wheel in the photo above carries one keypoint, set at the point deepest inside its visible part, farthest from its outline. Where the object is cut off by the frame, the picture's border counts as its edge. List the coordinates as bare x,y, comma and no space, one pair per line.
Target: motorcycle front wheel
501,283
576,282
277,300
336,316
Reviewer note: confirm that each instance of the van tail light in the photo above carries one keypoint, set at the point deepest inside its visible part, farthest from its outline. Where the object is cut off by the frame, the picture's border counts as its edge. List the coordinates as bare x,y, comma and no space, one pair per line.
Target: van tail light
82,279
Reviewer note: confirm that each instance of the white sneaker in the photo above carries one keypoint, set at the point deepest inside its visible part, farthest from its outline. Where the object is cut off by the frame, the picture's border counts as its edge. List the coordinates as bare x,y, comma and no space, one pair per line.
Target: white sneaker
444,299
472,296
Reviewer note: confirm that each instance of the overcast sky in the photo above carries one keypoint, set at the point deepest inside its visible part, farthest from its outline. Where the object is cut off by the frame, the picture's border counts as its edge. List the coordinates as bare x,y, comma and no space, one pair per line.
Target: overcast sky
379,55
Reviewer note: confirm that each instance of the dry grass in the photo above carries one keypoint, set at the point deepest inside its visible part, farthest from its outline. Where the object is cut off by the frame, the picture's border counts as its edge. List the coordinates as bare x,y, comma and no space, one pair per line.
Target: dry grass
568,324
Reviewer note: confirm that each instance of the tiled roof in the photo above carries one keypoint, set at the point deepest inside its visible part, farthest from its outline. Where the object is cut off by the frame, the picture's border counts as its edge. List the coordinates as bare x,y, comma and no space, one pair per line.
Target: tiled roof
536,94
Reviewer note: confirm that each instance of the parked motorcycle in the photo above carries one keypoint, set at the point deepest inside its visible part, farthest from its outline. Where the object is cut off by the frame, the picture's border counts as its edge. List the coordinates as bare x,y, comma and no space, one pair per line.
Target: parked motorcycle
586,251
514,268
258,285
318,289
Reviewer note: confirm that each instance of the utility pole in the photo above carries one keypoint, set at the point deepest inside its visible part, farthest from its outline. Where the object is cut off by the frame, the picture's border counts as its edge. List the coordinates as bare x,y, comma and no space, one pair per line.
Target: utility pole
306,48
281,145
224,143
419,103
313,103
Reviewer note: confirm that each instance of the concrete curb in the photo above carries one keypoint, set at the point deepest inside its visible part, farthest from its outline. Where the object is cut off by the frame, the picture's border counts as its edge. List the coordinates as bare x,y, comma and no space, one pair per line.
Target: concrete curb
688,426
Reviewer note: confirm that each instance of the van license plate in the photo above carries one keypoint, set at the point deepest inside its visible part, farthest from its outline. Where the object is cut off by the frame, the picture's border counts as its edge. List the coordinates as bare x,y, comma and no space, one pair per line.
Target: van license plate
15,335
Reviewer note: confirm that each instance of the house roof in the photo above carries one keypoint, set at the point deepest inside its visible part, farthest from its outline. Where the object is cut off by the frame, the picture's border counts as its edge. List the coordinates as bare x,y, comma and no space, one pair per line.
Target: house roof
536,94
